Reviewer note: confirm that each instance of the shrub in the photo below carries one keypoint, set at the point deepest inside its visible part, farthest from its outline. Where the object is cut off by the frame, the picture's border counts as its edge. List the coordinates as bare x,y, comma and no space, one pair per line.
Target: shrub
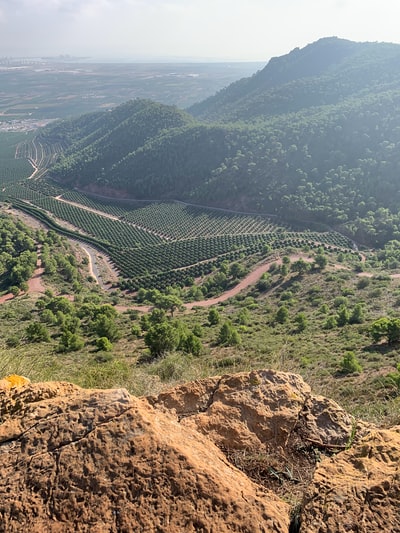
191,344
343,316
104,344
13,341
136,330
349,364
228,335
282,315
301,322
37,332
213,316
70,342
330,323
105,326
362,283
162,338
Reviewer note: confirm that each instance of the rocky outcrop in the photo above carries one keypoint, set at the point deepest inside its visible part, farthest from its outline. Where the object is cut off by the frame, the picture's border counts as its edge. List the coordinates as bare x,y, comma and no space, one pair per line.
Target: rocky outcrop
268,423
357,490
103,461
216,455
257,409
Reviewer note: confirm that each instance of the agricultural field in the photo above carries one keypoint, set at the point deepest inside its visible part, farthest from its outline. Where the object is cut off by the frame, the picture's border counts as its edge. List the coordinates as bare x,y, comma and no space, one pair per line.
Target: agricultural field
315,321
36,89
154,244
12,168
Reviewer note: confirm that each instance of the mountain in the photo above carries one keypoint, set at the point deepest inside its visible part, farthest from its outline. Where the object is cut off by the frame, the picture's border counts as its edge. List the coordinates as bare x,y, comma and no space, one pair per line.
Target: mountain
322,73
314,136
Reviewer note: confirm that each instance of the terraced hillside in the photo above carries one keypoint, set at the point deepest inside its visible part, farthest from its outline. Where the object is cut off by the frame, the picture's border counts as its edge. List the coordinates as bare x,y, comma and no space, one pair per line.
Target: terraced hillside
154,244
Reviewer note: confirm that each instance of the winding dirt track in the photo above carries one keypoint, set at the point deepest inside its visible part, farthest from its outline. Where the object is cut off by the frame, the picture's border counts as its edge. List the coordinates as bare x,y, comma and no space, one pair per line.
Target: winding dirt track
35,284
250,279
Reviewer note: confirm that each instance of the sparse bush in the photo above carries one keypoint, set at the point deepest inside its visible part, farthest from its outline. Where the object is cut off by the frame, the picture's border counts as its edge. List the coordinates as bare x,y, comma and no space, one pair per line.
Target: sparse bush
349,364
104,344
213,316
228,335
282,315
13,341
37,332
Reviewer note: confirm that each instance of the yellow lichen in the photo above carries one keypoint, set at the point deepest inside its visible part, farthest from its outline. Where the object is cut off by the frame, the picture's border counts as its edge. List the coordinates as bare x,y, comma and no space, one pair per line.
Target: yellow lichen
13,380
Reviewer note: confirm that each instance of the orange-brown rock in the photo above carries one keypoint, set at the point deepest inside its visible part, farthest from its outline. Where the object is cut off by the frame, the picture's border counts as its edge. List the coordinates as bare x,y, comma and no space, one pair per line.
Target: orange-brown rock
73,460
357,490
254,409
104,461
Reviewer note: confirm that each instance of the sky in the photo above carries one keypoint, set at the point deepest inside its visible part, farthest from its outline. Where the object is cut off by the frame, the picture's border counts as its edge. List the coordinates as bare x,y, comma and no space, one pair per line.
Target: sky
246,30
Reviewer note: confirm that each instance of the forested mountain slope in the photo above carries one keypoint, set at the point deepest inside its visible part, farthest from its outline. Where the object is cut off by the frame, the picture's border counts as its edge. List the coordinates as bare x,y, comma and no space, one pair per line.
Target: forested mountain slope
313,136
325,72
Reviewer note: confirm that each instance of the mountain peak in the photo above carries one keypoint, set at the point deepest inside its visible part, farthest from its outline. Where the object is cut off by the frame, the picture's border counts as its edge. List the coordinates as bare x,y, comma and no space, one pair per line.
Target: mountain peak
312,60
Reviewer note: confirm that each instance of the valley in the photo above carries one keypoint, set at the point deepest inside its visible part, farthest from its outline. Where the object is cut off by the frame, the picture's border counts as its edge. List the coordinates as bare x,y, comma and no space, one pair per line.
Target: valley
257,228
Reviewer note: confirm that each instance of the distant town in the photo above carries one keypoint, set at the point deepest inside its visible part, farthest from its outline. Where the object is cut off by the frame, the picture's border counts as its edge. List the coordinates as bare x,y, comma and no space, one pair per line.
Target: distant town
26,124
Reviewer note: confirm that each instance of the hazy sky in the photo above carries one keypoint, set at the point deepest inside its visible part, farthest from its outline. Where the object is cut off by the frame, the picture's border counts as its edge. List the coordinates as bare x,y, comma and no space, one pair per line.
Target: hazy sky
219,29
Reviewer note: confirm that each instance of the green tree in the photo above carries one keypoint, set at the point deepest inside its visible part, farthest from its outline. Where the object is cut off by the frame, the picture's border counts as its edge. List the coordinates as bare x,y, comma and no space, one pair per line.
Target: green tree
284,270
301,321
106,326
282,314
321,261
198,330
385,327
300,266
357,315
236,270
228,335
14,290
343,316
330,322
393,330
104,344
70,342
349,363
48,317
213,316
157,316
191,344
162,338
243,317
37,332
169,302
264,283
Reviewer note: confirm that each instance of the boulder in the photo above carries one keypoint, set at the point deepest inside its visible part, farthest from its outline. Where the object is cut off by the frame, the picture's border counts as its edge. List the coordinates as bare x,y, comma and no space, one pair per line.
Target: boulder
251,410
357,490
222,454
74,460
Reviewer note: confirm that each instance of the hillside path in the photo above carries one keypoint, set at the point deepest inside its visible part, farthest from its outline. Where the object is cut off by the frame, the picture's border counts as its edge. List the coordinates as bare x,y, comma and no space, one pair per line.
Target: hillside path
250,279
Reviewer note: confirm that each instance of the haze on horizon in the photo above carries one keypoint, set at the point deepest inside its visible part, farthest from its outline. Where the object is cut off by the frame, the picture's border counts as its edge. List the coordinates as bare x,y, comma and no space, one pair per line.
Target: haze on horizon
247,30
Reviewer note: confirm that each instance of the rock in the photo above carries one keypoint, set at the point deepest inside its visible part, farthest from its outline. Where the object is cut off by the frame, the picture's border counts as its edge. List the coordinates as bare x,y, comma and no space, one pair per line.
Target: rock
104,461
268,424
257,409
74,460
358,489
